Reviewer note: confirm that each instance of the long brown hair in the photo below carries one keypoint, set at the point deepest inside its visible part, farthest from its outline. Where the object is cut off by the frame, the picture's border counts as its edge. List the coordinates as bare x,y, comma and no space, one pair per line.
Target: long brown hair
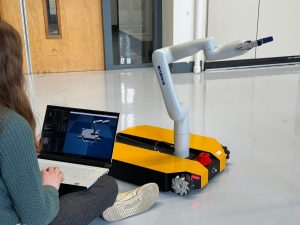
12,80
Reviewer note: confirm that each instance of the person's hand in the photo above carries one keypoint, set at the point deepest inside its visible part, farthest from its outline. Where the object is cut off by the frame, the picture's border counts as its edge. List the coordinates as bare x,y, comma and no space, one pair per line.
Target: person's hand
52,176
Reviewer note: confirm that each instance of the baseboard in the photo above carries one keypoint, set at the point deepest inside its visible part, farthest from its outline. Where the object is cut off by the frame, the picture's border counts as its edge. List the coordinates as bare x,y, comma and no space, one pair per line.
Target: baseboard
187,67
252,62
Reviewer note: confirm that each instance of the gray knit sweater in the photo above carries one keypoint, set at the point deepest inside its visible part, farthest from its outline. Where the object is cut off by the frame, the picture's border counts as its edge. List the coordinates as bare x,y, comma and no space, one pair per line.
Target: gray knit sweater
23,199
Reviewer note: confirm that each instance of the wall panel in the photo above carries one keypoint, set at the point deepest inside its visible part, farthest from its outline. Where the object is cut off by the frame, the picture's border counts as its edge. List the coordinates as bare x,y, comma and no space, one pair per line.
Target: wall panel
230,20
281,20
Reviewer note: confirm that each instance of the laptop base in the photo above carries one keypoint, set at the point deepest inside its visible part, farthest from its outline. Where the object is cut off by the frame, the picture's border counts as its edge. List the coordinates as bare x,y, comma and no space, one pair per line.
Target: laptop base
145,154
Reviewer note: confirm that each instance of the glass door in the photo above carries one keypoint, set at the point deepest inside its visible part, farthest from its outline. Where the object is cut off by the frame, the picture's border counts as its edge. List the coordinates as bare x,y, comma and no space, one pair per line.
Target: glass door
132,31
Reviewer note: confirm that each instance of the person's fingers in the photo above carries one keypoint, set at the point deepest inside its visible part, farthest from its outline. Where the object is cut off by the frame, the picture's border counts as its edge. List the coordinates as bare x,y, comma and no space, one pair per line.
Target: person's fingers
56,170
50,169
61,175
53,170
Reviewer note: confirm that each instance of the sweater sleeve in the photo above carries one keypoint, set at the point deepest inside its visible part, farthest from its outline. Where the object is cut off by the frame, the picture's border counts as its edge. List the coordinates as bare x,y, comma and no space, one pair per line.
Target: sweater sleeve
35,204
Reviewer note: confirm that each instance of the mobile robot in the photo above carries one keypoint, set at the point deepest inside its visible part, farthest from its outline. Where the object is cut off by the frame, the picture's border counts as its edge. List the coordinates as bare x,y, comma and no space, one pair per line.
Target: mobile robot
175,160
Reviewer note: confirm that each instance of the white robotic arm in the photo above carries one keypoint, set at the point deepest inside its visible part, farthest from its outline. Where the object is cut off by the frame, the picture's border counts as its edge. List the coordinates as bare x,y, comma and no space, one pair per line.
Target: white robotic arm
179,112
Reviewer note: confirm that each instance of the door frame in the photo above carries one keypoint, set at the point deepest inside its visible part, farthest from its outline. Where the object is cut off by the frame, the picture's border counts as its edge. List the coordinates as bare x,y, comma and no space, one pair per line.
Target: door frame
107,32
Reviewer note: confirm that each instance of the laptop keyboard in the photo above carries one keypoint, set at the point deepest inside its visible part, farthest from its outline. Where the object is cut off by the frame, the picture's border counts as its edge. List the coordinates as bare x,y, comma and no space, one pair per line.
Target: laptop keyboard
75,174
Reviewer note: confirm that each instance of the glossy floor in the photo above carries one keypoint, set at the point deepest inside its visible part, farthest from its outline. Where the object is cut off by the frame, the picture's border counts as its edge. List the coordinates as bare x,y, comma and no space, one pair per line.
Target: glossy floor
255,112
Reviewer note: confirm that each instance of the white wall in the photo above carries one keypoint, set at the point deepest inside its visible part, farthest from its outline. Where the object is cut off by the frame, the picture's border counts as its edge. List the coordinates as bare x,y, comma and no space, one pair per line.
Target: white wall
179,24
183,21
236,19
232,20
281,20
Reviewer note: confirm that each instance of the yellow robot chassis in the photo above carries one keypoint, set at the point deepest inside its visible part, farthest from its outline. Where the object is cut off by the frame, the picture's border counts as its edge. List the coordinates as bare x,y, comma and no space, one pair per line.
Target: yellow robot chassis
145,154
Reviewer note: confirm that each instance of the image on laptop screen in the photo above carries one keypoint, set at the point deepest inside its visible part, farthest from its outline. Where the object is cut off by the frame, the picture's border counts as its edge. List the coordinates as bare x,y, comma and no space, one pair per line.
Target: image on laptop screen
78,132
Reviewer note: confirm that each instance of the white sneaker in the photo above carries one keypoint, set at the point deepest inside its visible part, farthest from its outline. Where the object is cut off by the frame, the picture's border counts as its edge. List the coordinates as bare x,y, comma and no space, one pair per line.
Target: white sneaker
132,202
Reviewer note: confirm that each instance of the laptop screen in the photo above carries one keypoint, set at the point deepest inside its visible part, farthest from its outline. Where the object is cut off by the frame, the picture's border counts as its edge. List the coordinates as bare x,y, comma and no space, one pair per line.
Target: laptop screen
79,132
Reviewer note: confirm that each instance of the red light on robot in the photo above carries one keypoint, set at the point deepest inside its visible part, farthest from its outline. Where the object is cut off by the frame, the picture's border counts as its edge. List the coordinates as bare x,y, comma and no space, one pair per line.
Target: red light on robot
204,158
195,177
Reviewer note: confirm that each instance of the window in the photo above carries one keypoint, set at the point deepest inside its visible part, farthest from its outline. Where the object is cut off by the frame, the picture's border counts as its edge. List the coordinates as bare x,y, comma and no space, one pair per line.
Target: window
52,18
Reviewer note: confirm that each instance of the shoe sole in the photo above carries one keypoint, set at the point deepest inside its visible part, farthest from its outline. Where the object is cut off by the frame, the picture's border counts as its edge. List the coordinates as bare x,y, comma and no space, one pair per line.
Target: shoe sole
138,204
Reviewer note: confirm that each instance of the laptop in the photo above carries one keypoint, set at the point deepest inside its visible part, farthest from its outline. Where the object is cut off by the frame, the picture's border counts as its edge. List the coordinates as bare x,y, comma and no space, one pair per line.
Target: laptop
78,141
